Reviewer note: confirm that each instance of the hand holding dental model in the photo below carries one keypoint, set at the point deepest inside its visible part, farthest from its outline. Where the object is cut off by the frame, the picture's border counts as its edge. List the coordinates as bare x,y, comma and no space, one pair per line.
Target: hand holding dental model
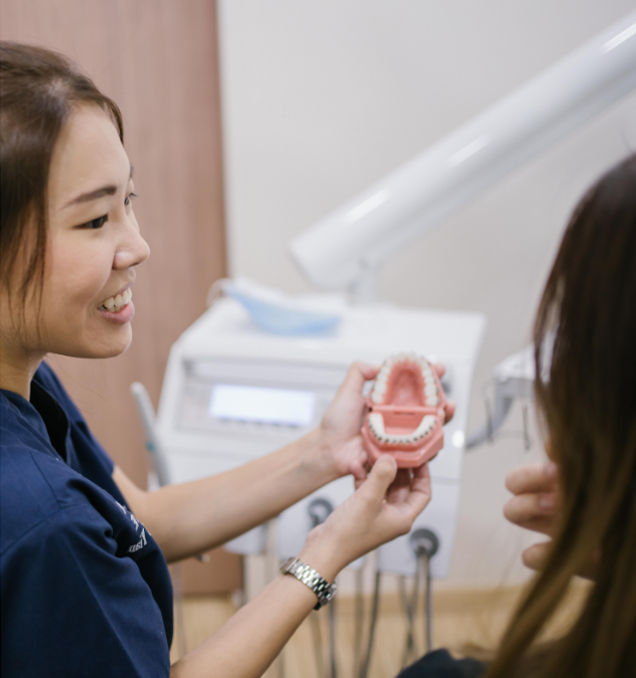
408,409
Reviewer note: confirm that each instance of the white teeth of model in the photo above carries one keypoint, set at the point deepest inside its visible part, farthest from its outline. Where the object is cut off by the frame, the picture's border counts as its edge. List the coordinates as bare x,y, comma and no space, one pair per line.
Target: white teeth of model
376,397
118,300
380,387
429,380
110,304
432,401
430,390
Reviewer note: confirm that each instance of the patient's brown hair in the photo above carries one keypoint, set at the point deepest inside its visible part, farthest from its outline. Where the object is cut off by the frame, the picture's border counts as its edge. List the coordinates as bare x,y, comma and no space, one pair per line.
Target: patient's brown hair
585,355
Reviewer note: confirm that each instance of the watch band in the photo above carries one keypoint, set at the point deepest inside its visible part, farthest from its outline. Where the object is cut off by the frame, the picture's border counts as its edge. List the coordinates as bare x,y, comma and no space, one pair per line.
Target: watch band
308,576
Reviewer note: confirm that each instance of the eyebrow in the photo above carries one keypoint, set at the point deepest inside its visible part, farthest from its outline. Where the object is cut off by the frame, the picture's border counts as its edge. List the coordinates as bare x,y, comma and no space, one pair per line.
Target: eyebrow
97,193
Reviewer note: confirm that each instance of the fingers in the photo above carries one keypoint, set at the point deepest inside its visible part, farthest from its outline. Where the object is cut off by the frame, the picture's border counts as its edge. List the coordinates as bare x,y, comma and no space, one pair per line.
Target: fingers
535,556
449,411
533,511
379,480
440,369
421,493
533,478
356,376
400,487
358,470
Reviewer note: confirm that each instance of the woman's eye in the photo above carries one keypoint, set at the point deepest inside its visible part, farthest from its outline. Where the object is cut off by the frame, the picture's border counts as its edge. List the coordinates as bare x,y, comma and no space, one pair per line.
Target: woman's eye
129,198
95,223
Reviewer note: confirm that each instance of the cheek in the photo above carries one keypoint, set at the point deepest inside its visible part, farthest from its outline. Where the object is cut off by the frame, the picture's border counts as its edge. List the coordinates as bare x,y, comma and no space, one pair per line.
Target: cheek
76,275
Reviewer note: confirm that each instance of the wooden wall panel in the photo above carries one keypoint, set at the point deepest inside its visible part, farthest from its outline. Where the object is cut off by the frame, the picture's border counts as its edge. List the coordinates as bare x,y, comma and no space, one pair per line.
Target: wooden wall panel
158,59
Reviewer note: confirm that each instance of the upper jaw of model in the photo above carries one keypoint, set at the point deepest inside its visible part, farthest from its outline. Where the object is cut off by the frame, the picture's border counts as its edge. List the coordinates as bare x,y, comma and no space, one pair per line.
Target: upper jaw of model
407,414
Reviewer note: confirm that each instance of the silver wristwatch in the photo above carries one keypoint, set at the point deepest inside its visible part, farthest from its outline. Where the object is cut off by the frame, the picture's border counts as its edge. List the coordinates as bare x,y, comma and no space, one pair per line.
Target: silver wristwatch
308,576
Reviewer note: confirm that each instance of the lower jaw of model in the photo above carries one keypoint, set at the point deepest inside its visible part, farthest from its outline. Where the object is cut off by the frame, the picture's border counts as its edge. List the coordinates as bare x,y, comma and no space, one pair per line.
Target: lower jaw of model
407,413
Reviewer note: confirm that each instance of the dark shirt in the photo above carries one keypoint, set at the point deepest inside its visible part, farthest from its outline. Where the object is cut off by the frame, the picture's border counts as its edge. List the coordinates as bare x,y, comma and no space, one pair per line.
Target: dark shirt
85,589
439,664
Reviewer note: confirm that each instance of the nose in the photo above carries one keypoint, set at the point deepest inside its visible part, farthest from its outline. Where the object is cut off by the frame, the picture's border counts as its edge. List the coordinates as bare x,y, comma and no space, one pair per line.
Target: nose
132,250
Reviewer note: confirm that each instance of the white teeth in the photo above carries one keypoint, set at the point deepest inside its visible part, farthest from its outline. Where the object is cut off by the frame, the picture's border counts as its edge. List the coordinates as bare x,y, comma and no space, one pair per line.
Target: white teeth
430,390
376,397
117,302
432,401
380,387
376,424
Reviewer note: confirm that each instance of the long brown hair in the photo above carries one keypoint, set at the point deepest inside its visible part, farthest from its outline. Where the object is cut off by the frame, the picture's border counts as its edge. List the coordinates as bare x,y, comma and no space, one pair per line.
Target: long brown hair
585,356
39,89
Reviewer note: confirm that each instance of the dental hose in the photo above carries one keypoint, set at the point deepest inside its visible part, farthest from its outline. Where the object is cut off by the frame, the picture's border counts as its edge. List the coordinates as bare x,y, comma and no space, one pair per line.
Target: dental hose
359,616
332,639
425,545
317,638
318,511
428,602
410,609
374,617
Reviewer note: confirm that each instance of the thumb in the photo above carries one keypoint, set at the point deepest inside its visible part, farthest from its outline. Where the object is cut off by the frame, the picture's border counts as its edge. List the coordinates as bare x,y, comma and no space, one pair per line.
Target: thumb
382,475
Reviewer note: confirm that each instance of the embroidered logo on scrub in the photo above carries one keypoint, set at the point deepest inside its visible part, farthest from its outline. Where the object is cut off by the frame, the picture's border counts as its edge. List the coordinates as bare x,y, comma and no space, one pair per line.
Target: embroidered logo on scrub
142,540
407,412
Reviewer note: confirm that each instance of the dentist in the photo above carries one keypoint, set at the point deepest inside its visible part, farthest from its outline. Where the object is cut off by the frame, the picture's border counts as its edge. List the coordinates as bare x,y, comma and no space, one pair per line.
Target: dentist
84,552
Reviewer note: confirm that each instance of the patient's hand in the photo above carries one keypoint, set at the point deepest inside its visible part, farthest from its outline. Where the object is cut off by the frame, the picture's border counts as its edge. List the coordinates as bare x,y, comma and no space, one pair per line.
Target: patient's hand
535,506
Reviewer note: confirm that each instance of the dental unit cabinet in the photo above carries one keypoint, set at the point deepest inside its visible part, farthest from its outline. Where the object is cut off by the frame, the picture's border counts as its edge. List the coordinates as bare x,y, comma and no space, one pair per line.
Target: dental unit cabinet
233,393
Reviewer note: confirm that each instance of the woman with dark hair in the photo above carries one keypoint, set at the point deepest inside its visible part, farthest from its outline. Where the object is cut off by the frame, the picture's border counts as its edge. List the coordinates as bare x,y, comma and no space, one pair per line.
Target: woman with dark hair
585,497
85,587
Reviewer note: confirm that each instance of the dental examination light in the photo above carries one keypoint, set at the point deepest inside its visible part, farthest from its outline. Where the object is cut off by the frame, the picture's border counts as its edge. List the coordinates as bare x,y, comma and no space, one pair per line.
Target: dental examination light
347,247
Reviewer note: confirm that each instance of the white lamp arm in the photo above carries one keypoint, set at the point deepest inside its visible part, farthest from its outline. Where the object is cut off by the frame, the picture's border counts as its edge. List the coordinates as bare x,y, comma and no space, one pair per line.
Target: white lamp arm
359,236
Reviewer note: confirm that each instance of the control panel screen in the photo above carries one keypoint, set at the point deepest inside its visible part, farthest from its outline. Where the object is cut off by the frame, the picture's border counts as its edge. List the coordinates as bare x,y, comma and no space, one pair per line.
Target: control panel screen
262,405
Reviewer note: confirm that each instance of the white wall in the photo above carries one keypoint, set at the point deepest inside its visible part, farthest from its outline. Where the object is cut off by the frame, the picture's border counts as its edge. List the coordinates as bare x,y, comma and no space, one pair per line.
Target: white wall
322,97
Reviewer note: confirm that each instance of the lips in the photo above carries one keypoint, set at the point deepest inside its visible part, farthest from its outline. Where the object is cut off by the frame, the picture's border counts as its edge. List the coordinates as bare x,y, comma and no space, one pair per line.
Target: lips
407,413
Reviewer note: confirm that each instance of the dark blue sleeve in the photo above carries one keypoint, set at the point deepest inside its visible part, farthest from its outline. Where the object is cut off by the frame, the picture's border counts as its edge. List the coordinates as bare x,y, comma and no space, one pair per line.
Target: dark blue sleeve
86,455
72,607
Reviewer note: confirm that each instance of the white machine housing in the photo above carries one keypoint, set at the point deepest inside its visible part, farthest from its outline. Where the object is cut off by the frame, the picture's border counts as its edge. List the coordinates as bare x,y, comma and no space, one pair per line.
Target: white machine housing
225,348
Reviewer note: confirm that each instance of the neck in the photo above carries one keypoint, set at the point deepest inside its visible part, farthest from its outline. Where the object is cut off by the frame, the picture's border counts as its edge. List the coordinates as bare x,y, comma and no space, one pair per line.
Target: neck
17,369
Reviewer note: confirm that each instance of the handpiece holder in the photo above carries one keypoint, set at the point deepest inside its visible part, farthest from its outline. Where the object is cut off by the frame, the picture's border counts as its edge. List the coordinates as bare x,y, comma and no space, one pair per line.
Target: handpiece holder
424,542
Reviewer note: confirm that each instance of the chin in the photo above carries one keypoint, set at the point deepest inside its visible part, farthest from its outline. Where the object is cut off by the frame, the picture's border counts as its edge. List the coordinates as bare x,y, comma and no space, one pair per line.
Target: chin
105,347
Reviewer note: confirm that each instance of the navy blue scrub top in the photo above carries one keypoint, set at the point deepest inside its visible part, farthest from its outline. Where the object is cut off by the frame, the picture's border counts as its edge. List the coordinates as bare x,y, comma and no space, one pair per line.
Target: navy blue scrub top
85,588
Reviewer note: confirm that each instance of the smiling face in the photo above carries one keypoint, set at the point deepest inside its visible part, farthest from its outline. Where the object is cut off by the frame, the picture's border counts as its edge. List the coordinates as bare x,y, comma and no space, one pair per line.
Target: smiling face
93,246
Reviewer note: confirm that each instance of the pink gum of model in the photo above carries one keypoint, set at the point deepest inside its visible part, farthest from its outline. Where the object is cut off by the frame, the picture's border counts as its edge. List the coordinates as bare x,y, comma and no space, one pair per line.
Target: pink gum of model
403,408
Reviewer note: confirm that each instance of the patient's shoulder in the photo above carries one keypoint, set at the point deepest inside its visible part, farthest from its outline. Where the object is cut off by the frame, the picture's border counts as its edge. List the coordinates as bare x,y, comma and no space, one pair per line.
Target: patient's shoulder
440,664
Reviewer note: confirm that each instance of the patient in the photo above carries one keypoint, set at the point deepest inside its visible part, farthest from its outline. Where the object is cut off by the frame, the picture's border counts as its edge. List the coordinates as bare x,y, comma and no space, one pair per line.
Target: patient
585,498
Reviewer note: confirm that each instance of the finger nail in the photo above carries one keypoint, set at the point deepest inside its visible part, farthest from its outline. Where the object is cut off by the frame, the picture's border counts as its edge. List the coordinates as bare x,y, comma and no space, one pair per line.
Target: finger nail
547,501
550,469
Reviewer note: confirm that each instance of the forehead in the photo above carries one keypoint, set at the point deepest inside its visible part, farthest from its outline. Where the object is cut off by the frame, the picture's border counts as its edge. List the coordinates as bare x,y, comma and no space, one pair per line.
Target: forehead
88,154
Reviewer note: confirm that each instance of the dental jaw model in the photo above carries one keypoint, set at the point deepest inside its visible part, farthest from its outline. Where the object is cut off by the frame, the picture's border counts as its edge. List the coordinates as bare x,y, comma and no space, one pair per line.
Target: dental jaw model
407,412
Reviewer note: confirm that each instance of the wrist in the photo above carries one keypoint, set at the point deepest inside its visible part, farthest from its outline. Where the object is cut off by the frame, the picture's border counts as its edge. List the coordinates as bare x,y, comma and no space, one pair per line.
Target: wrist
322,556
319,457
